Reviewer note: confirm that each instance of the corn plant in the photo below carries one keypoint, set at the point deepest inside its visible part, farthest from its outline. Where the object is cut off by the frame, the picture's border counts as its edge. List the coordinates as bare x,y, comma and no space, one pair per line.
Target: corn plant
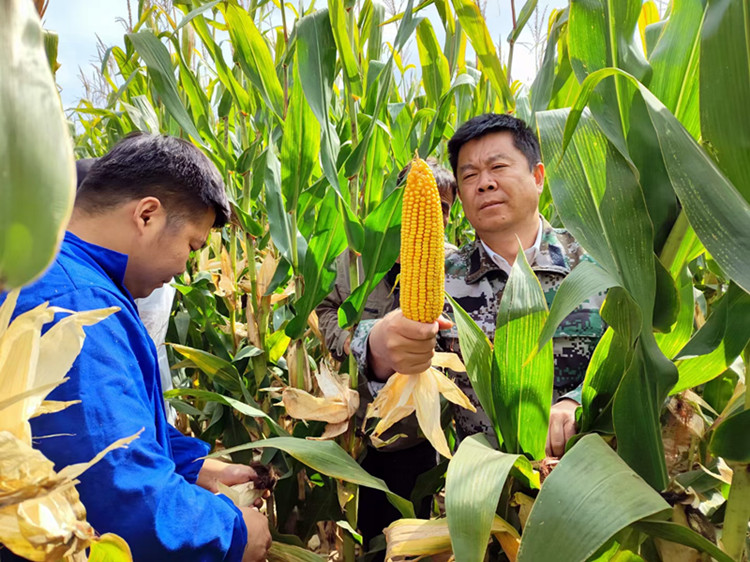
310,116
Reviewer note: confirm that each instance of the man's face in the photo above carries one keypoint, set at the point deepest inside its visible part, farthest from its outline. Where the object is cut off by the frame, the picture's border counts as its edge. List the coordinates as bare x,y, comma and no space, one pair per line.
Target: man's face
162,253
498,192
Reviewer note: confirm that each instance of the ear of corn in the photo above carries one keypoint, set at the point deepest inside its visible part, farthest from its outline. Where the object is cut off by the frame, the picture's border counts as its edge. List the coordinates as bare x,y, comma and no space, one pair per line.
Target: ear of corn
422,246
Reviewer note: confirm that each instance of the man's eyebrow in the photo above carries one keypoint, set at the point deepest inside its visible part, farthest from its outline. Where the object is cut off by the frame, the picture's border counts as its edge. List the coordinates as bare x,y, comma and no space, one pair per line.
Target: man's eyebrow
491,158
496,156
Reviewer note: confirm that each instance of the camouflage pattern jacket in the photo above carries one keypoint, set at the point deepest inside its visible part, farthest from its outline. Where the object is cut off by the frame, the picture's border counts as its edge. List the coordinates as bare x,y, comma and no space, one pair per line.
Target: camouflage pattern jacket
477,284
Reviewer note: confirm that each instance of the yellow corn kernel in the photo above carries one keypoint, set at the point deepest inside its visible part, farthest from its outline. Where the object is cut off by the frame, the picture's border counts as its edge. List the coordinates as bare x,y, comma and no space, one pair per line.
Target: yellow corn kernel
422,248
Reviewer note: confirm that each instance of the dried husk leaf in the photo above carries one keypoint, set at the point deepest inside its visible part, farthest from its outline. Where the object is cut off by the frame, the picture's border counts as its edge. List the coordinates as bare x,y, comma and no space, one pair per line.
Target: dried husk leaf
409,538
404,394
73,471
47,527
7,308
41,515
332,430
52,406
24,471
337,405
266,273
42,391
427,402
448,361
19,353
225,285
304,406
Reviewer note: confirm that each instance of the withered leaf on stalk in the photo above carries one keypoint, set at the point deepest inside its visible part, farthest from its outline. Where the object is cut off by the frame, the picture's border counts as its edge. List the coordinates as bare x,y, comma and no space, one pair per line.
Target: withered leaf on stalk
337,405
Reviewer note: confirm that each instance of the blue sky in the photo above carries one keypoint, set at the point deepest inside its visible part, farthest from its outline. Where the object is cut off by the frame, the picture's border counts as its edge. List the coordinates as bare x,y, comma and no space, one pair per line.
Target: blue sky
80,22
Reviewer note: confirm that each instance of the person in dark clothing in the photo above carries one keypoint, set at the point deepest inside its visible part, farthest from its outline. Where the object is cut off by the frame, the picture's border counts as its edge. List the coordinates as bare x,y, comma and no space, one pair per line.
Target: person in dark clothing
400,463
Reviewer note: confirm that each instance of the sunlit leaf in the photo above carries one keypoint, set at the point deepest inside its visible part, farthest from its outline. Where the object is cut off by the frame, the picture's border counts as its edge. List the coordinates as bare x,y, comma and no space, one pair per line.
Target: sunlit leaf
36,155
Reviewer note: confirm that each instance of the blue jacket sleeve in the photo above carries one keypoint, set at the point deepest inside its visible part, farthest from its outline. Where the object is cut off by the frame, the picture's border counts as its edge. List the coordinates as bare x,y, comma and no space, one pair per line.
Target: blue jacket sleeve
187,453
144,492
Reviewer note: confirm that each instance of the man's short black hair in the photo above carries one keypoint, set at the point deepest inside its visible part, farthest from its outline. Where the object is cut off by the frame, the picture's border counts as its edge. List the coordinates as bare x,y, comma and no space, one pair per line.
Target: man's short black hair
524,138
446,183
169,168
82,169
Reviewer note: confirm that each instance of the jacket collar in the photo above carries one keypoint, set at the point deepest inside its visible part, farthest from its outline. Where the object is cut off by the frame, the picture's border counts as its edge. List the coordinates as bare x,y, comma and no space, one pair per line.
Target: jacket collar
550,257
112,263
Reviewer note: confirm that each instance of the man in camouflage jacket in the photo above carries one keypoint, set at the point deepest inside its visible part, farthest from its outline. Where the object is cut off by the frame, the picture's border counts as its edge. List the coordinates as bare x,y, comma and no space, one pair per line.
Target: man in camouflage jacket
400,463
496,160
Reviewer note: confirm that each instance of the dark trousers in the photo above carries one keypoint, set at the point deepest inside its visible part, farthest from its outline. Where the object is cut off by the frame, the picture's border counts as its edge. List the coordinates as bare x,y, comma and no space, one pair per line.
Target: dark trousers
400,470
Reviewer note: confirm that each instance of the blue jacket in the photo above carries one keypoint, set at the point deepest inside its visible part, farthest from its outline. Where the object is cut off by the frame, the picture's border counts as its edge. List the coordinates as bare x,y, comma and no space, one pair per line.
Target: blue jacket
145,493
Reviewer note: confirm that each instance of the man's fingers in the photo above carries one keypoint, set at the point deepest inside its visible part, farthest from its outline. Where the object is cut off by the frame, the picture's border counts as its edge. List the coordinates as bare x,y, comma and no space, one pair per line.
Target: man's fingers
548,445
444,323
557,437
569,429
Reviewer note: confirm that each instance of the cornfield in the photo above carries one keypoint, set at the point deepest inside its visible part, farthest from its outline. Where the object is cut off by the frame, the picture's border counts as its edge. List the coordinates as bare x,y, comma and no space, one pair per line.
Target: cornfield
310,114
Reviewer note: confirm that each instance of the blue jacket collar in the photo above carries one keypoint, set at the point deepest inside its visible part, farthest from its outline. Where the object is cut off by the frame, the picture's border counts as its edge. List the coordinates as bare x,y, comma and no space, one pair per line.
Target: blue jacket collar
112,263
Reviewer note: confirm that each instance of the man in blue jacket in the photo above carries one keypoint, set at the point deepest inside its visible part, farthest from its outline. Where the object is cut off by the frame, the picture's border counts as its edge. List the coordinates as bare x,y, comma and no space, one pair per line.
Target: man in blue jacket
139,213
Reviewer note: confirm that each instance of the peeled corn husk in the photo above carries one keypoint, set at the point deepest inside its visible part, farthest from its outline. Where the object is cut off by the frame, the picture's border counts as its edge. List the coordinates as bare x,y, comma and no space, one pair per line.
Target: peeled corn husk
404,394
41,515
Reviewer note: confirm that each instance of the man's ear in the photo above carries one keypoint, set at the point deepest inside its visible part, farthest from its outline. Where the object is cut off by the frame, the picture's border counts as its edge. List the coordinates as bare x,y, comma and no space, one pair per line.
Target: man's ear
147,212
539,176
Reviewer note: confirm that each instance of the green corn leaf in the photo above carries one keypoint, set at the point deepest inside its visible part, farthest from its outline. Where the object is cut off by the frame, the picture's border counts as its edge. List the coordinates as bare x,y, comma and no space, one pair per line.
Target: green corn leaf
730,439
586,279
474,25
327,242
724,87
435,72
194,14
715,208
343,39
671,343
477,354
476,477
328,458
300,145
522,20
592,185
254,57
381,249
280,552
226,77
251,409
316,56
218,369
674,60
542,87
608,499
614,45
522,386
682,535
159,64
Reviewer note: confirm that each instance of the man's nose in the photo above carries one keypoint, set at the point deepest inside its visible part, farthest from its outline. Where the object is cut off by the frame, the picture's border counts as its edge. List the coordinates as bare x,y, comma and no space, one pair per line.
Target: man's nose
486,182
